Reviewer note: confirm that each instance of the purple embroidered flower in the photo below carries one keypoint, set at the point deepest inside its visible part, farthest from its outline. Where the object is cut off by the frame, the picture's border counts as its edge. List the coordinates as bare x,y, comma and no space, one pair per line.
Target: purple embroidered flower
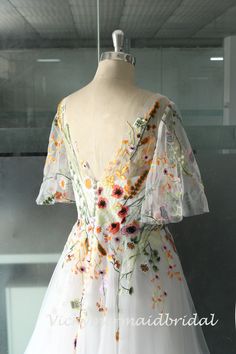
117,239
131,148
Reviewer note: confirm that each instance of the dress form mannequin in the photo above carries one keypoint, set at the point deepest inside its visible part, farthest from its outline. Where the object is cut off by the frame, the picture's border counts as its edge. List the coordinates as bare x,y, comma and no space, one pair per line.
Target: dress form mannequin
104,105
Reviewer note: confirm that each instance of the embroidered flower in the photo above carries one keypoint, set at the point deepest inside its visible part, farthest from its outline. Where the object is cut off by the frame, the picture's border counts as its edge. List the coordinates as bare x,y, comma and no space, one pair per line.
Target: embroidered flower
117,239
123,211
130,229
117,264
88,183
82,269
58,195
131,245
102,202
144,267
140,122
117,191
131,148
62,183
98,229
144,140
114,227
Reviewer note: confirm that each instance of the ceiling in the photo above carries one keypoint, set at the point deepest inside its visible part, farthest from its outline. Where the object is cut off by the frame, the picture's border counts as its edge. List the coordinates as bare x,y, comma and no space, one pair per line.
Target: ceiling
151,23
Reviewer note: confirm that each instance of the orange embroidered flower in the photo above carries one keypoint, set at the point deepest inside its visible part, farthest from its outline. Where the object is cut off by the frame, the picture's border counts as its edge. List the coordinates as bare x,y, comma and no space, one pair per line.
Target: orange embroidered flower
130,245
58,195
127,187
90,228
114,227
98,229
145,140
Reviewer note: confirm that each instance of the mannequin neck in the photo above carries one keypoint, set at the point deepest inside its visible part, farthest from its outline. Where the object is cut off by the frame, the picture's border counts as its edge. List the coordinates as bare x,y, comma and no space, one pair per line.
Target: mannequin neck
110,70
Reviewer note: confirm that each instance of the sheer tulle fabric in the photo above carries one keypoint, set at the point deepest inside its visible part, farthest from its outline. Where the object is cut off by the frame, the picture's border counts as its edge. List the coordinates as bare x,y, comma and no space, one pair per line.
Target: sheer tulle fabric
174,188
57,326
56,186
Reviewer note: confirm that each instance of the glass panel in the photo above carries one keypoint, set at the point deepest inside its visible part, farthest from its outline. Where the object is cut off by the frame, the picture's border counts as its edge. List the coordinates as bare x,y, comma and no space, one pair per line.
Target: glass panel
32,82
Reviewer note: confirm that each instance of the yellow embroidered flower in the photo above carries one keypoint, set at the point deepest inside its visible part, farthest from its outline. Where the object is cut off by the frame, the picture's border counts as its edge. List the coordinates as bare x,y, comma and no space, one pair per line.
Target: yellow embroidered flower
109,181
88,183
62,183
109,257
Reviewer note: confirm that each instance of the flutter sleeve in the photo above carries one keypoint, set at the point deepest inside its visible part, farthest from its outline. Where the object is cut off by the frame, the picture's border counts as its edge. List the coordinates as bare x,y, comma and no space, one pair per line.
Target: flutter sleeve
56,186
174,187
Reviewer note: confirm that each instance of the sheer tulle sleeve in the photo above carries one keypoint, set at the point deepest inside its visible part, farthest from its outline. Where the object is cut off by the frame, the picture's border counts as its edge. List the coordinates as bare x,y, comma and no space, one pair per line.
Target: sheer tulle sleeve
174,188
56,186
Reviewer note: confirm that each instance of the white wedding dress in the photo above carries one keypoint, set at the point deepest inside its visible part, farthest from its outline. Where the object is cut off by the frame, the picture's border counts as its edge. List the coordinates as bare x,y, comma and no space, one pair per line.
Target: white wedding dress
119,281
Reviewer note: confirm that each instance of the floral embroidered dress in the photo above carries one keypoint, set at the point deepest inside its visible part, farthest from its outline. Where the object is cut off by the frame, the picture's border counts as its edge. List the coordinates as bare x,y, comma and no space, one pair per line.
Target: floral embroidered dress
119,276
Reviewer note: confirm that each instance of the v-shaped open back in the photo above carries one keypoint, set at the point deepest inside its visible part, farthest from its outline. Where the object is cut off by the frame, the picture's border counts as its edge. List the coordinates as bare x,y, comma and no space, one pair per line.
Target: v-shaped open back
144,113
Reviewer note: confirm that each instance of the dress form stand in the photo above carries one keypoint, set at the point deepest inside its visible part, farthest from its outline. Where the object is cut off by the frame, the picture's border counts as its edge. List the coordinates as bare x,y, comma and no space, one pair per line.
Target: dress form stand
98,113
118,43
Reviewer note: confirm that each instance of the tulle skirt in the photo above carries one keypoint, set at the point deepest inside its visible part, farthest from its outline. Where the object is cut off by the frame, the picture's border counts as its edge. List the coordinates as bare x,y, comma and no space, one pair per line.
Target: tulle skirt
148,320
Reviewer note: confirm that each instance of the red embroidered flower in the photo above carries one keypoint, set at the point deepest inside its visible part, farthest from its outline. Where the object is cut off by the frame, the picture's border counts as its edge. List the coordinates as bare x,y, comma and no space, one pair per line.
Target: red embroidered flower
114,227
117,191
102,202
123,211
